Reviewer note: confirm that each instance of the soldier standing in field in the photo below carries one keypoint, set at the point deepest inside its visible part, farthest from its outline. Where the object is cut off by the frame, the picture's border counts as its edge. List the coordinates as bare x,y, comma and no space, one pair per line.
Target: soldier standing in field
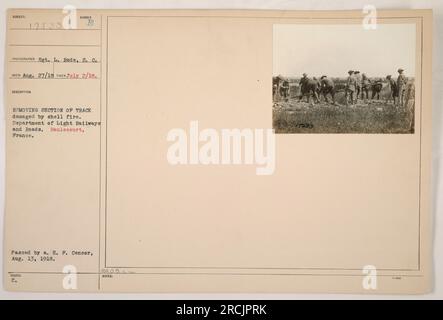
318,82
275,87
365,85
327,87
302,85
393,86
358,79
351,85
401,86
284,89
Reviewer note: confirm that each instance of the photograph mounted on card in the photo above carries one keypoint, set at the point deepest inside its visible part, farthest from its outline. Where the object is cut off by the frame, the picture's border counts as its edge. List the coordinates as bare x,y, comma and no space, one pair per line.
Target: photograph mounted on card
146,151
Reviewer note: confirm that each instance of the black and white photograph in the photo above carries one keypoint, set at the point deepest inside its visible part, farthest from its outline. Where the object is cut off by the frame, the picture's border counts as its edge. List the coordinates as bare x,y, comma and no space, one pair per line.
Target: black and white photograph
345,78
146,156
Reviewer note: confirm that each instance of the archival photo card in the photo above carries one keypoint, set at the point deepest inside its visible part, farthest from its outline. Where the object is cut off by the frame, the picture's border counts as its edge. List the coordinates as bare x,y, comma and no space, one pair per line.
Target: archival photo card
141,154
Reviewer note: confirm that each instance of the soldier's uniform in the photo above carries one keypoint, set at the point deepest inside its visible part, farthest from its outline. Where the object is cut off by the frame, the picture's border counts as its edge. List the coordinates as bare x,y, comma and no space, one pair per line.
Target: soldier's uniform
275,86
308,87
302,85
376,88
401,86
284,89
328,87
351,86
358,78
393,87
318,82
365,85
274,90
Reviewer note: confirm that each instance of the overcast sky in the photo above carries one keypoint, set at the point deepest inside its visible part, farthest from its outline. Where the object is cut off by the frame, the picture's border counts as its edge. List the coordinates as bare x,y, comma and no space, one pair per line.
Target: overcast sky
335,49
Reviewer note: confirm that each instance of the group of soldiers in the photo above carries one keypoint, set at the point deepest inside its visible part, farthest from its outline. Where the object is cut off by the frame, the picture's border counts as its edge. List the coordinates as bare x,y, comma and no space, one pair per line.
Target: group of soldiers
357,85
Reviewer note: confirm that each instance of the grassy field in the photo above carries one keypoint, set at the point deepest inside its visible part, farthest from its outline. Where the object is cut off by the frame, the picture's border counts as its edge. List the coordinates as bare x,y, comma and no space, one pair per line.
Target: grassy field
372,116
